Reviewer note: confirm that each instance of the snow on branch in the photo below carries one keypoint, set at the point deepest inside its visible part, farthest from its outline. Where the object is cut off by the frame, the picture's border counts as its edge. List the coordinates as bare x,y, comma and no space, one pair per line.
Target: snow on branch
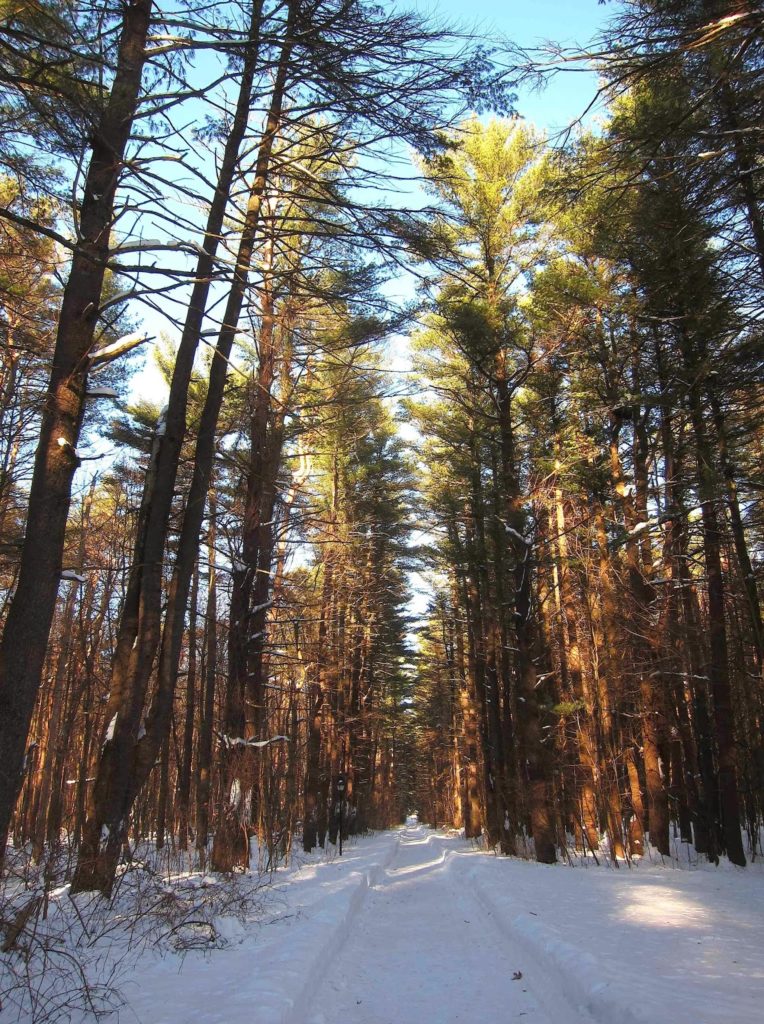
518,536
71,574
152,245
237,741
119,347
143,245
101,392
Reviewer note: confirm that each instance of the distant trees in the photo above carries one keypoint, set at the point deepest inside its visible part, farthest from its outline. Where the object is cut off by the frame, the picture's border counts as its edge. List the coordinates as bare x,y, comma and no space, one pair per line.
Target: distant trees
206,631
355,677
489,182
263,210
586,504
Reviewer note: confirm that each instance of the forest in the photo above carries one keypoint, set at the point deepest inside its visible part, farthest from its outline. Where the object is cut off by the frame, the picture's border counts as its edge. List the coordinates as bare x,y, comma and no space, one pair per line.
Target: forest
210,653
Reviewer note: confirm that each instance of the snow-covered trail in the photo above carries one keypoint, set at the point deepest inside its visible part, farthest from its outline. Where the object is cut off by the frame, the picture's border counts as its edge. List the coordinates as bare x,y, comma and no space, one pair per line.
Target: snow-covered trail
422,949
413,926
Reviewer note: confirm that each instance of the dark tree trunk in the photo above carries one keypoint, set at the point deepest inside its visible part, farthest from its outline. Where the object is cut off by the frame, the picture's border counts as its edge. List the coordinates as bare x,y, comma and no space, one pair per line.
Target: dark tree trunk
140,620
207,711
537,768
126,760
185,767
718,669
27,627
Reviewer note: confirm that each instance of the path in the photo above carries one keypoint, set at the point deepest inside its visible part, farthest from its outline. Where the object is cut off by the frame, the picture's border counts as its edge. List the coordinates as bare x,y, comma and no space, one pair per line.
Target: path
412,926
423,951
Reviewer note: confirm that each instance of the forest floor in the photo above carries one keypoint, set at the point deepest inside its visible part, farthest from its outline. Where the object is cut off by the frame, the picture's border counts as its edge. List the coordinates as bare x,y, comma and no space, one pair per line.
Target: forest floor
414,926
409,926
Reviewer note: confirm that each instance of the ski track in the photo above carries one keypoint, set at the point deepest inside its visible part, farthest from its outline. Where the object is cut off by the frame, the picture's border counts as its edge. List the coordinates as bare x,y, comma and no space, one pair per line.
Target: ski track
421,949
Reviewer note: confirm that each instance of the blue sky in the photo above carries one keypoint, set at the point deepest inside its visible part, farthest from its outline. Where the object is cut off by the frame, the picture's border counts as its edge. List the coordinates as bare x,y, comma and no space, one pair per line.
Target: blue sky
566,97
529,23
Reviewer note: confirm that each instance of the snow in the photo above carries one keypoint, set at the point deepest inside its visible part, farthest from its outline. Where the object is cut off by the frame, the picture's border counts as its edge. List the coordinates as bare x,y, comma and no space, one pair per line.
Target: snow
414,926
238,741
117,348
139,246
643,945
68,446
101,392
518,536
72,574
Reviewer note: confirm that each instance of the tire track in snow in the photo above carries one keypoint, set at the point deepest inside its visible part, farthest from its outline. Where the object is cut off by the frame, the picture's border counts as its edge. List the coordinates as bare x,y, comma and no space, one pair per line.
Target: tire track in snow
553,997
580,976
420,953
330,942
559,979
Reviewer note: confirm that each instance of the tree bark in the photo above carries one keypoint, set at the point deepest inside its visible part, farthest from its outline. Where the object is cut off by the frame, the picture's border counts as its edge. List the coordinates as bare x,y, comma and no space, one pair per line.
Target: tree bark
207,711
25,637
537,771
126,759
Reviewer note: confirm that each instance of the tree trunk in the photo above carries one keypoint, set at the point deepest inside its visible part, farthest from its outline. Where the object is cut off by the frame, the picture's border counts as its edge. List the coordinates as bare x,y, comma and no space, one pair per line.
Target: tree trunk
537,769
25,637
207,709
140,620
721,690
126,759
184,770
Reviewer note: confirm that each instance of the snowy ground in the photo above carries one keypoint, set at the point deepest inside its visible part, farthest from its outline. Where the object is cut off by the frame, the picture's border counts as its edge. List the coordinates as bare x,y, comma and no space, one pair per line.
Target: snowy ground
415,927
